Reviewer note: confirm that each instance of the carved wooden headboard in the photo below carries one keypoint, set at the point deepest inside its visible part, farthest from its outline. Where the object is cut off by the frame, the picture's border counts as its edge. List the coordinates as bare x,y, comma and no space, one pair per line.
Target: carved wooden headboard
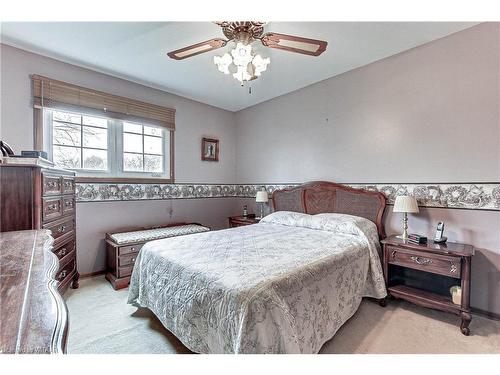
329,197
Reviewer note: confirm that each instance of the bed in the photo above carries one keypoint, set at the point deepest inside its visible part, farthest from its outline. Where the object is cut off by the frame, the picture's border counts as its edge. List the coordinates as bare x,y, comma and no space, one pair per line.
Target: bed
285,285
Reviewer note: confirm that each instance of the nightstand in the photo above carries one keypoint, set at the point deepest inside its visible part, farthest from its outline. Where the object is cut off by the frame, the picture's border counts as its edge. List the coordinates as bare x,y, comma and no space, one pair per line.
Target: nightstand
239,221
423,274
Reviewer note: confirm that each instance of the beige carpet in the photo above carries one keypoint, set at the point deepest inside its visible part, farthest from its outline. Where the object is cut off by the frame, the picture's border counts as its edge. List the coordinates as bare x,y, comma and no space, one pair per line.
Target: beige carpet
102,322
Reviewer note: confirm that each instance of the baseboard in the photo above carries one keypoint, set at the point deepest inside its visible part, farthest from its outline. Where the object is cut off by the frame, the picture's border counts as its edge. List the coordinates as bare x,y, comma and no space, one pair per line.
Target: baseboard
85,275
486,314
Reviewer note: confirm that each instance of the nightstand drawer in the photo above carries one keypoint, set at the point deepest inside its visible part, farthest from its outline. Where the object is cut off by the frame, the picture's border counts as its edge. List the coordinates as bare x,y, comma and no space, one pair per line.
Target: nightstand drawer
125,271
127,260
424,261
122,250
239,221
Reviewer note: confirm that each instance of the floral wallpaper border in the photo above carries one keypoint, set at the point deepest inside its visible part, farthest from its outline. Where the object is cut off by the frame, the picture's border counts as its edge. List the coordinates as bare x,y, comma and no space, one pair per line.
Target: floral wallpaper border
479,196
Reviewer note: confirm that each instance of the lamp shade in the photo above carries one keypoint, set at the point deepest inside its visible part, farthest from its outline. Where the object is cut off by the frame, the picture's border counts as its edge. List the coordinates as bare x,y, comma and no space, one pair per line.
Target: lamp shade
261,196
405,203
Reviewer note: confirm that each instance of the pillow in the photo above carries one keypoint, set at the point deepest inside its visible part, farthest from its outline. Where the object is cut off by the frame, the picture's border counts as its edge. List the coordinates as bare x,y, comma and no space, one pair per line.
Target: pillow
330,222
347,224
289,218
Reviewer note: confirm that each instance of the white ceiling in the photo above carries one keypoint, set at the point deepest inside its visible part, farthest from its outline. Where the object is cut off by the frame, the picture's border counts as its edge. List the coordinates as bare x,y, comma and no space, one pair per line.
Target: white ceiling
137,51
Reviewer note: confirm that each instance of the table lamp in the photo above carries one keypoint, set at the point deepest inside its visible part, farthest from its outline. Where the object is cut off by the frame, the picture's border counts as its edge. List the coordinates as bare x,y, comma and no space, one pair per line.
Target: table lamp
405,204
261,198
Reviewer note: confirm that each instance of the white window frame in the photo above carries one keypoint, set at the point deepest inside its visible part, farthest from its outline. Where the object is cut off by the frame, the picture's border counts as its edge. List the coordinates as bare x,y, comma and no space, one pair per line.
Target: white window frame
115,170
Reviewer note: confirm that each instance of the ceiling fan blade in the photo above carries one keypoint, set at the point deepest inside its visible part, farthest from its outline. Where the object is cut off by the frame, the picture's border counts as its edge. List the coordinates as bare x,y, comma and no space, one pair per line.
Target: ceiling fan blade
312,47
196,49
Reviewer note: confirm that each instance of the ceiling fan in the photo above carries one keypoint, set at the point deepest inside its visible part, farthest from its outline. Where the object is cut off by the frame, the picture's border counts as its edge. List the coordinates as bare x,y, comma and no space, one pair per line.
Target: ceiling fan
242,61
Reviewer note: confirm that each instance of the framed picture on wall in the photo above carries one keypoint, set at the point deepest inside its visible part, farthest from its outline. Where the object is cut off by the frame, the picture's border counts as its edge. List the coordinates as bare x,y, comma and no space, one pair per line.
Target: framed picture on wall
210,149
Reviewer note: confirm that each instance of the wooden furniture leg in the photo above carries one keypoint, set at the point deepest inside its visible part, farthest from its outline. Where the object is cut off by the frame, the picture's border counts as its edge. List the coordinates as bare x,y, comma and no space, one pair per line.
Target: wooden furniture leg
465,285
75,284
464,326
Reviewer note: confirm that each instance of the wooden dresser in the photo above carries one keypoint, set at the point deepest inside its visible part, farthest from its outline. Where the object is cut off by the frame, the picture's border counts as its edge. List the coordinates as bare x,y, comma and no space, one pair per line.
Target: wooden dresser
33,315
36,197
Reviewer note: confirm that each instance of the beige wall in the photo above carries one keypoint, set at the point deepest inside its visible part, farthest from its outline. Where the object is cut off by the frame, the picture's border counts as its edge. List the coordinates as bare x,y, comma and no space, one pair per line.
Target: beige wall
430,114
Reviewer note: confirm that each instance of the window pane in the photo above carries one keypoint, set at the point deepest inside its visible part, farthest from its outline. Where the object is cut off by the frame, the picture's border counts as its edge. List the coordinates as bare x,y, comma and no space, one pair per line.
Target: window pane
95,137
153,163
95,121
66,134
132,142
67,157
67,117
149,130
132,162
132,128
152,145
95,159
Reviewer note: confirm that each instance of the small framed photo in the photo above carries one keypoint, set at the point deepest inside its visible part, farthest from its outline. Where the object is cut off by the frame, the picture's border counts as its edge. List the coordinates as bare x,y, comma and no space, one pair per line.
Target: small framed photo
210,149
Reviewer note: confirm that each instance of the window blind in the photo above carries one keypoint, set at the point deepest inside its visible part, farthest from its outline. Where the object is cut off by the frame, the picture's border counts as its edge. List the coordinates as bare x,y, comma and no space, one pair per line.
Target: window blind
50,93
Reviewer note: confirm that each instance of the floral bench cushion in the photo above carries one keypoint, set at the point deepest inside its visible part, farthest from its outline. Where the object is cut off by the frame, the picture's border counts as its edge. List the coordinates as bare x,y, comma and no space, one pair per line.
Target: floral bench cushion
156,234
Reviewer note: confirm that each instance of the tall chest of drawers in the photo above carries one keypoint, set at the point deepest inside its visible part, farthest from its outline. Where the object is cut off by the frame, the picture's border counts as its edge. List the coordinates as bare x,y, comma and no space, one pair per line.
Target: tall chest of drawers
34,197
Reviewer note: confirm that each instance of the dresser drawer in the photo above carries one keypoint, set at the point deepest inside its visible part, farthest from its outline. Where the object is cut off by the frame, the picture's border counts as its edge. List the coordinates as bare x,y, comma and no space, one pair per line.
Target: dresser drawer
424,261
52,208
61,227
66,271
65,249
68,204
51,184
122,250
68,185
125,271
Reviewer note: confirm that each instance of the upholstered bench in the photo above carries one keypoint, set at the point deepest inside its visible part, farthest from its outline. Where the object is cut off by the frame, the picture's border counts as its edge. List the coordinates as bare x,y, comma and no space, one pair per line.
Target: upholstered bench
122,248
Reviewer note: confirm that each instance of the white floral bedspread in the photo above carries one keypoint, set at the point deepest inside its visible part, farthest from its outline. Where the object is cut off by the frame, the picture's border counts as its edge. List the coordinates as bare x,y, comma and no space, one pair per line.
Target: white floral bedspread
285,285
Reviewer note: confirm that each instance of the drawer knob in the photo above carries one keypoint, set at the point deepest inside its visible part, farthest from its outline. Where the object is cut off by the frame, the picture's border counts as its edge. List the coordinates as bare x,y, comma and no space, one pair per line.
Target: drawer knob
133,260
421,260
63,274
62,228
453,268
62,252
51,184
132,248
53,206
69,203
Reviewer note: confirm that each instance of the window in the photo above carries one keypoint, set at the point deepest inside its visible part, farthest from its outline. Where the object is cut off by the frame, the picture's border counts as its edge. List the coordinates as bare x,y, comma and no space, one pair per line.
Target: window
100,147
79,142
142,148
103,136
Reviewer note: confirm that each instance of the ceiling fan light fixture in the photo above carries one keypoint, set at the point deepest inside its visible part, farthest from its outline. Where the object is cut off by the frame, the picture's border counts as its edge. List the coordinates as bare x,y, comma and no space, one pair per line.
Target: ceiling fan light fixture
223,62
242,54
242,60
242,74
260,64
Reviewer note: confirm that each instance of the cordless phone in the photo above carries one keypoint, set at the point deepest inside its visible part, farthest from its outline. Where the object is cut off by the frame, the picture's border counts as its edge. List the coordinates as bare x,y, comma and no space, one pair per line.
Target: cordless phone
439,238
